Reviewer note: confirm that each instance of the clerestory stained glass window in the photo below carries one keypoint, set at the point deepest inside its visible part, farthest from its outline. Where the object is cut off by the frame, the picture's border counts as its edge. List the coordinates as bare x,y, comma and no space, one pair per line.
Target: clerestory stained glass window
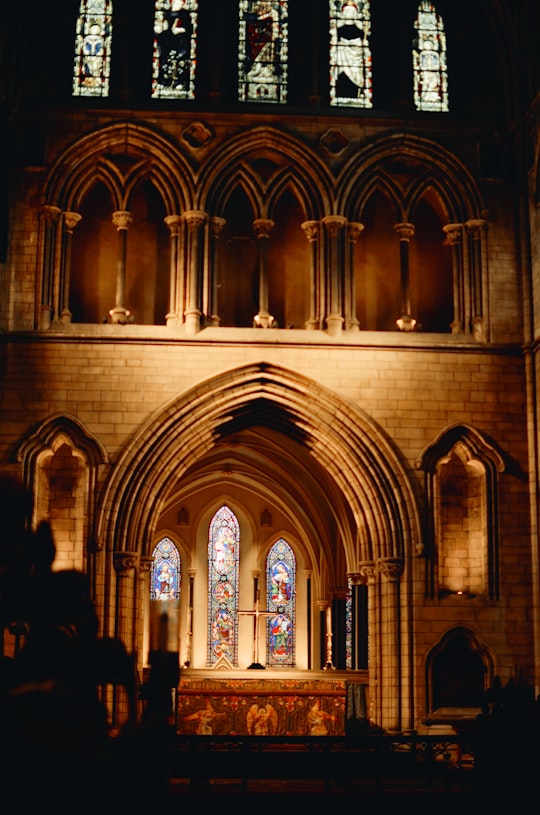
263,51
175,41
223,569
92,62
429,60
281,599
165,577
350,54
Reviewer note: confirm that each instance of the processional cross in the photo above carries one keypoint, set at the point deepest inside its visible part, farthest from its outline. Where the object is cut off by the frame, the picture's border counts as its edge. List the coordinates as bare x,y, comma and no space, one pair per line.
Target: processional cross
256,613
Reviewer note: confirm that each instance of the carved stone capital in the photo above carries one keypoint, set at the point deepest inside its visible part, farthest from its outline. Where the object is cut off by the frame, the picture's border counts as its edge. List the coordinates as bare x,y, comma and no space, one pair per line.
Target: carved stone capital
263,227
476,227
71,219
404,231
334,224
311,230
122,219
354,230
124,562
392,569
50,213
217,225
453,233
195,218
173,222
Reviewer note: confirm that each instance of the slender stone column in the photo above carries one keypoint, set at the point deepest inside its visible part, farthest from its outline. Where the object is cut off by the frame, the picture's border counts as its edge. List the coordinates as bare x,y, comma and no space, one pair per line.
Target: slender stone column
334,273
122,221
477,230
354,230
143,618
175,284
262,228
311,230
195,220
368,573
71,219
391,571
50,216
216,228
405,232
454,239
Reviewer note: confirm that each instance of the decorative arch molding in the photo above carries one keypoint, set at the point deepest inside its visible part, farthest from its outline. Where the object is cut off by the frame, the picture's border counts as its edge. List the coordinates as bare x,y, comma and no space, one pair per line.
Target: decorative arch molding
166,166
44,435
303,167
340,437
439,166
475,443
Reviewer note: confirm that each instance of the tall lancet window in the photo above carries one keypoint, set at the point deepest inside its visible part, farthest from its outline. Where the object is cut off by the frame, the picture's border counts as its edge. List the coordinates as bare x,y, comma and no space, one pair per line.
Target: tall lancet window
223,568
263,51
175,40
281,599
350,55
92,63
165,575
429,60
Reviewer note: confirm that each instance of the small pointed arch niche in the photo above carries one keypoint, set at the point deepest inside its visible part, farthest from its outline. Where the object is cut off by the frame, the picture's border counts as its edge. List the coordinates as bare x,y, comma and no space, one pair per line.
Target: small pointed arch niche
238,282
148,251
462,473
93,258
376,267
289,262
431,271
60,462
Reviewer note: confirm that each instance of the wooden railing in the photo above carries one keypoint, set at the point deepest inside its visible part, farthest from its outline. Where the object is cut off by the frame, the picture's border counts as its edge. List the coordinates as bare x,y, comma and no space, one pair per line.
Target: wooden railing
379,761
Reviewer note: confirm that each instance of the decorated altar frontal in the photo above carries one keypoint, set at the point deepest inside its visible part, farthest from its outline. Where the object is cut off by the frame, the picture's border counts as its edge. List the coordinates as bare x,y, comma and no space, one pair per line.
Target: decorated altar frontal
261,706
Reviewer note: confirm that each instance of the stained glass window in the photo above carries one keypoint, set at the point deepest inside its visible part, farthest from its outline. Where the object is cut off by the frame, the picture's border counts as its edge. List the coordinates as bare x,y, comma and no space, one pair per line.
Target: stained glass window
175,40
223,567
349,625
281,599
165,574
350,55
92,63
429,60
263,51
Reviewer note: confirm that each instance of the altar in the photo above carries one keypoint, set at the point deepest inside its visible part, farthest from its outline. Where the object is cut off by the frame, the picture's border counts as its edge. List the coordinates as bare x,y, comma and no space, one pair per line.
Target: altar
261,706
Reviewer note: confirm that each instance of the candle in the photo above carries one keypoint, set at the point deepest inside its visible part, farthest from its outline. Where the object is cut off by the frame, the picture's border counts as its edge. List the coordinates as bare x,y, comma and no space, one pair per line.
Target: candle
329,619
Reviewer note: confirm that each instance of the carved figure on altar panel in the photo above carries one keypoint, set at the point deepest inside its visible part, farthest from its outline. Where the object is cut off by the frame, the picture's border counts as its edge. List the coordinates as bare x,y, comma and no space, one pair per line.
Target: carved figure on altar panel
262,721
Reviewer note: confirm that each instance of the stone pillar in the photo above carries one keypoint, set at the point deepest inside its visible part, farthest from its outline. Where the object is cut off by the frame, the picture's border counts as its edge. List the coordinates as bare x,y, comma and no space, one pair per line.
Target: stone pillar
50,215
175,282
71,219
334,273
311,230
405,232
454,239
216,228
122,221
354,230
124,565
195,220
391,674
262,228
477,230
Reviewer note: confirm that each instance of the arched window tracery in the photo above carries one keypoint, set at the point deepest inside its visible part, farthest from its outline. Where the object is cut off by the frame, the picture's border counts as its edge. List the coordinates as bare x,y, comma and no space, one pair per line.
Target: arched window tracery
223,586
429,60
93,39
281,599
